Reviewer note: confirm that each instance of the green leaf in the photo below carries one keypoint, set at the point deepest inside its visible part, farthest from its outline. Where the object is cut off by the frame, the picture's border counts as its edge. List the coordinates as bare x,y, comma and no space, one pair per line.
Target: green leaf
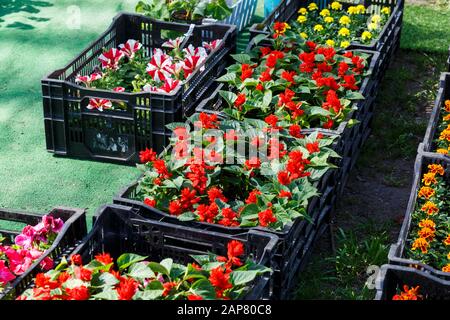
228,77
187,216
140,271
126,260
167,264
319,111
267,100
243,277
158,268
242,58
249,209
352,122
259,38
211,265
204,288
354,95
107,279
107,294
229,97
148,294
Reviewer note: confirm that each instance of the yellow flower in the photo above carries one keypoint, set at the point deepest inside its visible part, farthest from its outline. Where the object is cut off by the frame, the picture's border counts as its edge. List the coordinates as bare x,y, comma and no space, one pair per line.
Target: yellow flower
447,241
426,192
446,118
376,18
336,5
442,151
330,43
303,11
427,233
345,44
436,168
312,6
360,9
446,268
304,35
366,35
429,178
345,20
386,10
302,19
344,32
325,12
352,10
318,27
430,208
445,135
447,105
422,244
328,19
372,26
427,223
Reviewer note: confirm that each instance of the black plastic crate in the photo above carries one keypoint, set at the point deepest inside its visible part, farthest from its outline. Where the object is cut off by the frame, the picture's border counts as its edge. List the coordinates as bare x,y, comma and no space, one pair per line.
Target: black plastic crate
350,138
436,114
397,251
391,279
293,239
74,230
118,136
118,229
387,43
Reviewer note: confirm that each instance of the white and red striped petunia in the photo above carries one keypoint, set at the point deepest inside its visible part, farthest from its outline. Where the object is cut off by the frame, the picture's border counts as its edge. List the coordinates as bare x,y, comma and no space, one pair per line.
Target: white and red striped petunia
191,63
99,104
157,67
149,88
87,80
212,45
175,69
111,58
119,89
191,51
169,85
130,48
173,44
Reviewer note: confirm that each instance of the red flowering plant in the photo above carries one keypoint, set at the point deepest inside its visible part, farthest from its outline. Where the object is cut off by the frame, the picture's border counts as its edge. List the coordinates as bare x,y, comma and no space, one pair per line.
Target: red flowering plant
127,69
235,174
28,247
307,85
429,238
133,277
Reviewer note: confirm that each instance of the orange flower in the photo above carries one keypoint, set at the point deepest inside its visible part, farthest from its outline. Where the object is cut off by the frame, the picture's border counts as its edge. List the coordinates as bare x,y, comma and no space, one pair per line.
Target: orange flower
445,135
436,168
442,151
430,208
408,294
429,178
422,244
426,192
447,241
446,118
426,233
427,223
446,268
447,106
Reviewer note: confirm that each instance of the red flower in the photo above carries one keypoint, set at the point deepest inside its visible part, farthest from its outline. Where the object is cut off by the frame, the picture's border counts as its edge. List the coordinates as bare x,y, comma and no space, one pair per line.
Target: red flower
343,68
296,165
289,76
76,259
283,178
79,293
311,45
350,82
328,52
259,87
308,60
266,218
208,121
276,149
104,258
313,147
329,82
160,167
295,109
220,279
150,202
168,287
252,197
247,72
175,208
332,102
127,289
241,98
285,194
265,76
265,51
253,163
271,61
63,277
359,64
324,67
285,97
216,193
43,281
229,218
348,54
235,249
197,175
148,155
272,121
329,124
193,297
83,274
295,131
208,213
189,199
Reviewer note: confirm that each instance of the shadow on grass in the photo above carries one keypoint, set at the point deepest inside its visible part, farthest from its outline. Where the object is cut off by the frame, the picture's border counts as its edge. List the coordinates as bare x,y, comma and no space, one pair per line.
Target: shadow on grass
27,6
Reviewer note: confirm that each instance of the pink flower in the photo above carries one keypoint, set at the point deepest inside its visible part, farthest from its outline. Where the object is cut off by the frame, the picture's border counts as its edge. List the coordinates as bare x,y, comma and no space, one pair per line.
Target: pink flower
26,238
52,224
157,67
5,274
87,80
119,89
19,261
111,58
130,48
47,264
99,104
170,85
211,46
173,44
